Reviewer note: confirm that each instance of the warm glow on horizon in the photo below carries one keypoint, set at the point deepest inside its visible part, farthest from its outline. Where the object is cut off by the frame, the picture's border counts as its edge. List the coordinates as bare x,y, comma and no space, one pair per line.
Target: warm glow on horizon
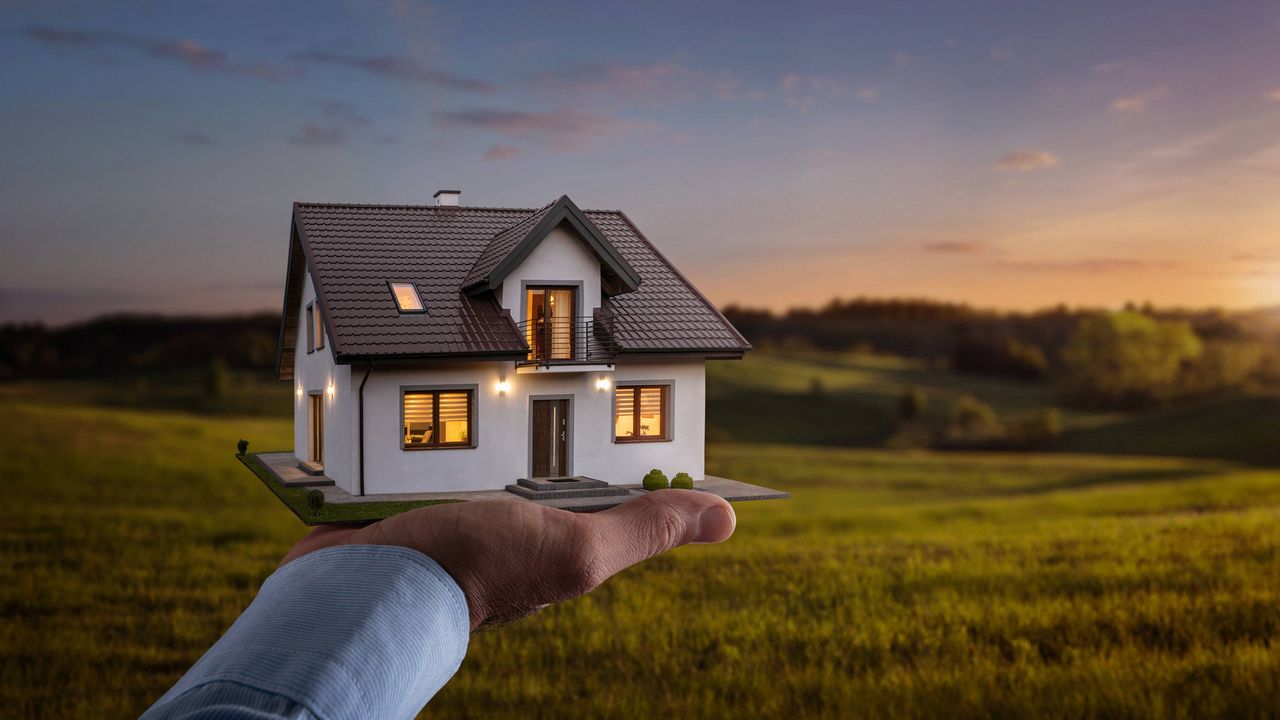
793,154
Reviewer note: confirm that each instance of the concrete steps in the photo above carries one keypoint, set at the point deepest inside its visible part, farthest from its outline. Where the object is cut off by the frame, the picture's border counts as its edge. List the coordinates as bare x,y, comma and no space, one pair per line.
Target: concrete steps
564,488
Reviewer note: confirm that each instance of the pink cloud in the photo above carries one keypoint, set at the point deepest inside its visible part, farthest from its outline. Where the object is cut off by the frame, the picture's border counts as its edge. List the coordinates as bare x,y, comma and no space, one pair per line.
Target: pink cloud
562,129
1027,160
1139,101
398,67
501,152
184,51
659,83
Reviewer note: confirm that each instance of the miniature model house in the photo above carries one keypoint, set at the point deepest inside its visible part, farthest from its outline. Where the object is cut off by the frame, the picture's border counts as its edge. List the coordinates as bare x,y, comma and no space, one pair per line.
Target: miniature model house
447,347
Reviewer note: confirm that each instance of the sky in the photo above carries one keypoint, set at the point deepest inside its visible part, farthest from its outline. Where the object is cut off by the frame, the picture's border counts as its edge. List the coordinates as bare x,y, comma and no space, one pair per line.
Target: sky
1005,154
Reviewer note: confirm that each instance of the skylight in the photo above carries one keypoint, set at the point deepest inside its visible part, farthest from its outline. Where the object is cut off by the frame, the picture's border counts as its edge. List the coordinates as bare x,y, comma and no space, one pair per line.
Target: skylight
407,298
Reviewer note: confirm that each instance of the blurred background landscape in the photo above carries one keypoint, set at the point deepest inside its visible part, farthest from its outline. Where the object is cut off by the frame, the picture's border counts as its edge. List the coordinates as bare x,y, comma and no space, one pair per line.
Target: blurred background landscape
1012,271
1056,514
895,374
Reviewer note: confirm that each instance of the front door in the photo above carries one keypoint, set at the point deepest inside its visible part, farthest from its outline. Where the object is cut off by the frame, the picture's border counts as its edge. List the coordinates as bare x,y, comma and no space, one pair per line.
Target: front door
550,437
315,428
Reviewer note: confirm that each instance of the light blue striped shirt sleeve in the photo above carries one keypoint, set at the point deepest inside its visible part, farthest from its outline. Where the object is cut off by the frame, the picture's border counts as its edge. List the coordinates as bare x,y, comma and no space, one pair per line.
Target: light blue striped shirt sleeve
355,631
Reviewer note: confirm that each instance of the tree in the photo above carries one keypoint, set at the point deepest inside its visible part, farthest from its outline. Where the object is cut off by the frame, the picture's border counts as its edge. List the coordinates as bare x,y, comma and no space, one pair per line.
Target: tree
911,404
1125,359
217,381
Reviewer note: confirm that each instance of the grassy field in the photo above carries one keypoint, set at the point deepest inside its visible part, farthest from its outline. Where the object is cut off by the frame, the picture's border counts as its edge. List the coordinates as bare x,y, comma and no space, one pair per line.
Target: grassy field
845,399
891,584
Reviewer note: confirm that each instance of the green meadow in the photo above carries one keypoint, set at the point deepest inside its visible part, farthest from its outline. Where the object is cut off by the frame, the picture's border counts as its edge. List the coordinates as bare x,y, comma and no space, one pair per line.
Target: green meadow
891,584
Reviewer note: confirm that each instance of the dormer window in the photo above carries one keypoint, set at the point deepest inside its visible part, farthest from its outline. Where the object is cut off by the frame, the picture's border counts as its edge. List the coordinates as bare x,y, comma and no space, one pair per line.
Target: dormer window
407,298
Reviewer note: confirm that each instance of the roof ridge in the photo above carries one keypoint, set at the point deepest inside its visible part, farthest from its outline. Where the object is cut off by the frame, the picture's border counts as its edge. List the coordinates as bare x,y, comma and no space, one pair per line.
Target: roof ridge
453,208
517,223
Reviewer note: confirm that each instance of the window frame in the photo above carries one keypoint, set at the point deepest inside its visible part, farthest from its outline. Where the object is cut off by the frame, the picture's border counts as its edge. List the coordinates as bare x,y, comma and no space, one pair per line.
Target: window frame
318,321
311,327
472,392
668,391
391,288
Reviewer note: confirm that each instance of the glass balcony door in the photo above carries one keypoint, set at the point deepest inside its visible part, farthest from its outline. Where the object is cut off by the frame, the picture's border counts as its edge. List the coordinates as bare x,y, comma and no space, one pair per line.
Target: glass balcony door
549,322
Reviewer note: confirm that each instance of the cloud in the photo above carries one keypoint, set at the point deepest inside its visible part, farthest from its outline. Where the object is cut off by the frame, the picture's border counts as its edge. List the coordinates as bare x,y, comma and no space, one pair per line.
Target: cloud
1139,101
1105,68
183,51
195,139
621,85
1247,145
562,129
1027,160
1098,265
501,152
1272,95
398,67
342,112
318,135
955,247
799,91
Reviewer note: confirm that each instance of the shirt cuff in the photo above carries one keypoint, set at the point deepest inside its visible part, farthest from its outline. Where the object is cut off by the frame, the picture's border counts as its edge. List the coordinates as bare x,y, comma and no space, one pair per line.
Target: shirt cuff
348,631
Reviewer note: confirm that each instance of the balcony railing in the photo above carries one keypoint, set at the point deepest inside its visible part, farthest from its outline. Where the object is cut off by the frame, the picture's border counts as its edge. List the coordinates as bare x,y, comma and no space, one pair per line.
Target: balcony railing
566,341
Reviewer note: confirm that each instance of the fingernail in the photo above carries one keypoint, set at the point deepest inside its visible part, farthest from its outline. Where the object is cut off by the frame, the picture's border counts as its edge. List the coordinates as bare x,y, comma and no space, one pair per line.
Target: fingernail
716,524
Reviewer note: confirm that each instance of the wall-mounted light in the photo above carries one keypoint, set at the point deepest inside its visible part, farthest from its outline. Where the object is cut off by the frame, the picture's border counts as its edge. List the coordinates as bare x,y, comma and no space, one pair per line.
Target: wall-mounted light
602,384
503,386
299,391
331,389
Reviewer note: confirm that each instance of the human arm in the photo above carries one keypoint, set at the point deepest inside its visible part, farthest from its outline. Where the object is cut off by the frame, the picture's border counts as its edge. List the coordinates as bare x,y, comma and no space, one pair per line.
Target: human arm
378,617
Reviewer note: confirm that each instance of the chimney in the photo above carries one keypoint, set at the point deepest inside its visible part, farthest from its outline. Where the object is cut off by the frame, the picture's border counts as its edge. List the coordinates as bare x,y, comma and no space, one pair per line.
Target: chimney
448,198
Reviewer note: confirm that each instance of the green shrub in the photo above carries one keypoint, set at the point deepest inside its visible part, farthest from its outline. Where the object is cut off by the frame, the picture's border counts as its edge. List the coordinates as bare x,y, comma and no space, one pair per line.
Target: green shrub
655,480
682,481
1035,430
973,419
315,501
242,447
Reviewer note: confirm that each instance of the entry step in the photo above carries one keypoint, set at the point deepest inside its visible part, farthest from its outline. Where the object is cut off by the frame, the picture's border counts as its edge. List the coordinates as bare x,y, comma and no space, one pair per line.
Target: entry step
563,488
569,482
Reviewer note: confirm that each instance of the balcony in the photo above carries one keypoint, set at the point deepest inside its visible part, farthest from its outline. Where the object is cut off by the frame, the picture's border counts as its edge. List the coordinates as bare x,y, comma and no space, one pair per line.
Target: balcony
568,344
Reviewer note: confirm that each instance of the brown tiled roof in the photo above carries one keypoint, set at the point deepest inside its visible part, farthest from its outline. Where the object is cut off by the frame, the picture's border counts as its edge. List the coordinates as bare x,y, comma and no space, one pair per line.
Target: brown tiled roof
355,250
502,244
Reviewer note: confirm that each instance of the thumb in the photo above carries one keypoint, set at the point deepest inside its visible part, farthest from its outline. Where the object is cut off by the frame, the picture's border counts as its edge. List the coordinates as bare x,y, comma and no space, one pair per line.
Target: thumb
656,522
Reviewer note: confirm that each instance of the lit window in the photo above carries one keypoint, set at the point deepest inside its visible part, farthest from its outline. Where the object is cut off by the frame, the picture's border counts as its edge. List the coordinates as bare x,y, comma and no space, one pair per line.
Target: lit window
318,331
437,418
640,413
311,328
407,298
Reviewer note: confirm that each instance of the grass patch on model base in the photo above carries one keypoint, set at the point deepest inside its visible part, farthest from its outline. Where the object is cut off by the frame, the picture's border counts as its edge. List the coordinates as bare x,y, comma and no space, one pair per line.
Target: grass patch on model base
295,498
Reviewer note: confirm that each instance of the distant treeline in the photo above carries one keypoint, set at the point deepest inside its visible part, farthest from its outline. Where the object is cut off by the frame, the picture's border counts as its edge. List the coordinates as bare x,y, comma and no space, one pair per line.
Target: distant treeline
128,345
1139,356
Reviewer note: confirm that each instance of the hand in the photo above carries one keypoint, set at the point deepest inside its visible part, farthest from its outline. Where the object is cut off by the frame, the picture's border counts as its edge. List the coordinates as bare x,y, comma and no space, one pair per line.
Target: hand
511,558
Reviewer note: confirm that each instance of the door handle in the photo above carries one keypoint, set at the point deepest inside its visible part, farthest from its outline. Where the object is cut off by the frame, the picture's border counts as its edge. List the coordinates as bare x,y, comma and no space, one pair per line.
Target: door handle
562,435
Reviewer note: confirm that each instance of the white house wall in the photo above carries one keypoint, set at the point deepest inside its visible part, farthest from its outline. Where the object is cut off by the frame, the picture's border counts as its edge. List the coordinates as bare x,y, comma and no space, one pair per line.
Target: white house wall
315,372
502,451
560,259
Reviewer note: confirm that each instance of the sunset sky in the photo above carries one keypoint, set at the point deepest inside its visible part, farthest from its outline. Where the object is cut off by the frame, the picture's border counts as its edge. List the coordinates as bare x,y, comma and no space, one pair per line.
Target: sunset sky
1006,154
